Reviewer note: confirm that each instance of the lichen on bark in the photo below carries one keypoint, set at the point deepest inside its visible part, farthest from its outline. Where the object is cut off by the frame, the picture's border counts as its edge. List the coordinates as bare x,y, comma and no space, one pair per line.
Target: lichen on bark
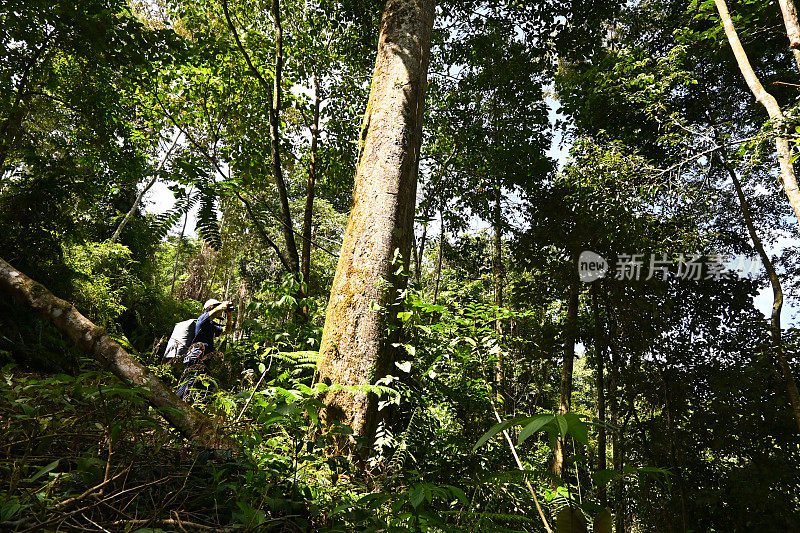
353,350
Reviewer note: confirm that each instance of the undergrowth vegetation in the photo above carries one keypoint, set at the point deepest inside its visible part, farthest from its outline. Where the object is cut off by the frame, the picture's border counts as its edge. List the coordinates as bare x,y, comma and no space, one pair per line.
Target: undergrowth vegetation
85,448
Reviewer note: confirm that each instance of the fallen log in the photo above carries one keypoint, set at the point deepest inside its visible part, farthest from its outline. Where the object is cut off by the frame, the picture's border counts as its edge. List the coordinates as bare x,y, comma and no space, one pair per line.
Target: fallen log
94,341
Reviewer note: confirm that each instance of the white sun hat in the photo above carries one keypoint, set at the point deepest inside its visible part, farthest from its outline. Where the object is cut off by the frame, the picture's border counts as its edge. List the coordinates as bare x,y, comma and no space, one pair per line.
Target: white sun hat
210,303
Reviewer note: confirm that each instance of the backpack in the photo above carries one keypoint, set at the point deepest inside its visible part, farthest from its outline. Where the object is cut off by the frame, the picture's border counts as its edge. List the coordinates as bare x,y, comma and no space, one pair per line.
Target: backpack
180,340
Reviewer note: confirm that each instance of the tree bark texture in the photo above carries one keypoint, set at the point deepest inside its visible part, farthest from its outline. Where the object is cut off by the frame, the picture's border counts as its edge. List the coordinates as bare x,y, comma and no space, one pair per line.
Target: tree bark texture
94,341
354,349
792,28
770,104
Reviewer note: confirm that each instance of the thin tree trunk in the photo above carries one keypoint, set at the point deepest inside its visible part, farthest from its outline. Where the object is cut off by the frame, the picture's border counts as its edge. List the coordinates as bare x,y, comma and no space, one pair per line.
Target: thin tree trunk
227,284
770,104
601,393
217,256
673,449
308,213
565,390
792,27
614,409
241,309
147,187
439,259
777,291
420,255
292,258
619,466
96,342
353,350
275,140
497,268
415,255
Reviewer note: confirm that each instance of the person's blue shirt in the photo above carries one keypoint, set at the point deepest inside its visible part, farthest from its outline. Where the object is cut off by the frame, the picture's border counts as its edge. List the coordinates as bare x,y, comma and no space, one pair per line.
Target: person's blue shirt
205,330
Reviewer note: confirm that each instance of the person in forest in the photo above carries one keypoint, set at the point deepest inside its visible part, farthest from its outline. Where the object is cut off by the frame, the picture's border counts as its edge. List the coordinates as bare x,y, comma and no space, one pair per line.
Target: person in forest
203,344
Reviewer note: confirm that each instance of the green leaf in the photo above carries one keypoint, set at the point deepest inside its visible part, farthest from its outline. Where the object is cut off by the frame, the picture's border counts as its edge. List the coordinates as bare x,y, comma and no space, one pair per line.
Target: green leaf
538,423
497,428
577,428
570,521
603,522
563,425
458,494
417,495
44,471
604,477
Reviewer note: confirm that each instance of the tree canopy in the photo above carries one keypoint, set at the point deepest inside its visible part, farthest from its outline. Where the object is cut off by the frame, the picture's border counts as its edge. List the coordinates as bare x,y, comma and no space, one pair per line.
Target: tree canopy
490,266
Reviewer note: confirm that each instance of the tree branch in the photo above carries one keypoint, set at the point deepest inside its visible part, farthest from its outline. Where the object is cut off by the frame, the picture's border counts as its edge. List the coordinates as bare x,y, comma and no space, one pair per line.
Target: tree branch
147,187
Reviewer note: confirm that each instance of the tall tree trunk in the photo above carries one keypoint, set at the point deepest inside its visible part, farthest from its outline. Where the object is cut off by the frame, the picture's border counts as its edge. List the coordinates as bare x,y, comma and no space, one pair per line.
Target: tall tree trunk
291,259
95,342
497,270
792,28
565,390
619,466
600,355
308,212
770,104
354,349
275,141
614,409
146,188
777,291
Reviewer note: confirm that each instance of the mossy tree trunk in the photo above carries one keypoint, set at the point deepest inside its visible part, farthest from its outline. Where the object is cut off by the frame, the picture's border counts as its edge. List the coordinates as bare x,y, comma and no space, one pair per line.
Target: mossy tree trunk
354,348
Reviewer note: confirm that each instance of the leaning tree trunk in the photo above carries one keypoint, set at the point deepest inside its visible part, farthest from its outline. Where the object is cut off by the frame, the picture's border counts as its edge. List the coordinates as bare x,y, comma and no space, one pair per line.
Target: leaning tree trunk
775,282
354,348
94,341
770,104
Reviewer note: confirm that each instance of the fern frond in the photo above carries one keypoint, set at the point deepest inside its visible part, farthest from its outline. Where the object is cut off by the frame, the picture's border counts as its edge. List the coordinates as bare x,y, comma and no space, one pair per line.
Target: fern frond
164,222
207,223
